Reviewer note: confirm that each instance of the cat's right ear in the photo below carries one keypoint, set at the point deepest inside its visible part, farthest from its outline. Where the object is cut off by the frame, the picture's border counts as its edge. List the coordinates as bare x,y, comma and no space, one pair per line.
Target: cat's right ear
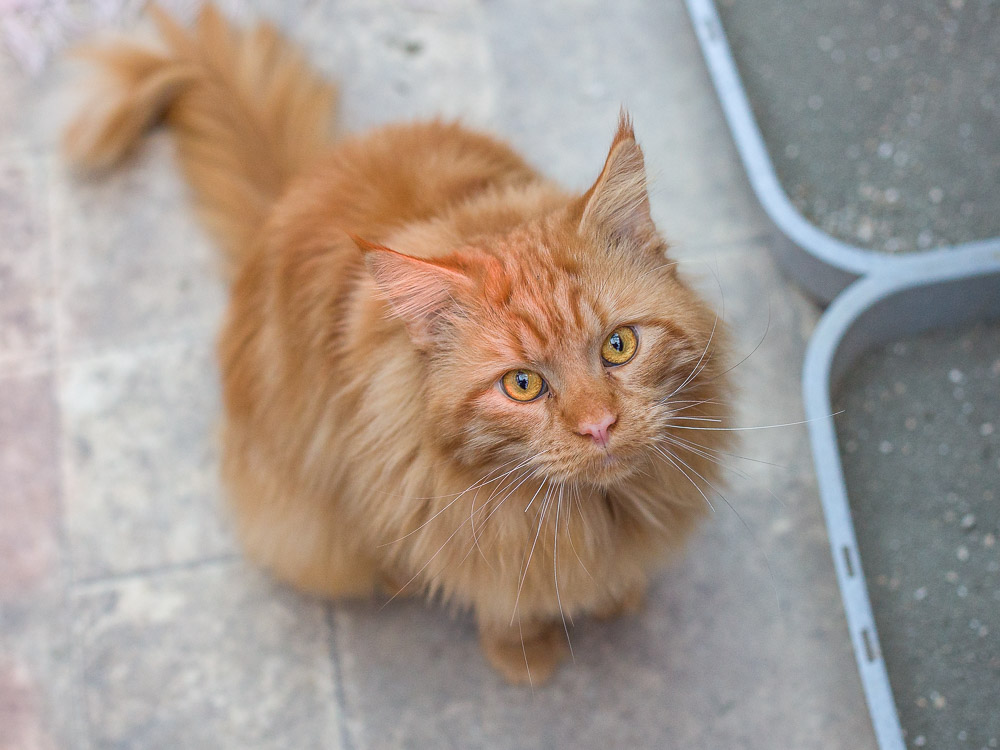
617,204
419,292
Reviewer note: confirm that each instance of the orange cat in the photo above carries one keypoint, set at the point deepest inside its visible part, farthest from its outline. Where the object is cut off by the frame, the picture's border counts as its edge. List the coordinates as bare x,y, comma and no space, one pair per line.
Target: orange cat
442,373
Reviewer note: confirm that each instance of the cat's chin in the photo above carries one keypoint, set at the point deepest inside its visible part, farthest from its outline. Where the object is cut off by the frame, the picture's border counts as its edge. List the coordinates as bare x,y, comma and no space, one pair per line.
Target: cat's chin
609,469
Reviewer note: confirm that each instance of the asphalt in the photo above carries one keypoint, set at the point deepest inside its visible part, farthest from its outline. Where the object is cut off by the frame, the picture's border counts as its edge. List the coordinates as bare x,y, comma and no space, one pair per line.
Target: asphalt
920,444
882,119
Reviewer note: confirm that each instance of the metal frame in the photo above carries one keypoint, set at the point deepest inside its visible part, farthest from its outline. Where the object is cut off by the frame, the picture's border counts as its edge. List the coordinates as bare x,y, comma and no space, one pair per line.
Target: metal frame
881,298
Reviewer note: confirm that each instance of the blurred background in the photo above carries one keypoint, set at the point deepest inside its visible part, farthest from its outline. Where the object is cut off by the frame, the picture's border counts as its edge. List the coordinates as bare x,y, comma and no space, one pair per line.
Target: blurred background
129,620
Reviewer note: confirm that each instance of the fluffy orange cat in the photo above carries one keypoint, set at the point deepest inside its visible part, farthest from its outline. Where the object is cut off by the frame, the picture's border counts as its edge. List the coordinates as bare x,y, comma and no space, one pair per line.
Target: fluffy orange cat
442,372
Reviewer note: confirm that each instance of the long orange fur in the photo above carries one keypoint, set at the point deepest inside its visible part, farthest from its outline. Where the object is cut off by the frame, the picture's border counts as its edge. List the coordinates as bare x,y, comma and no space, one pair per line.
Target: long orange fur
382,285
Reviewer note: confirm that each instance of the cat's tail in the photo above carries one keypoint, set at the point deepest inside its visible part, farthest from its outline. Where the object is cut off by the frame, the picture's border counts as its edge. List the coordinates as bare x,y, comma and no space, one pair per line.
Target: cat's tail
245,108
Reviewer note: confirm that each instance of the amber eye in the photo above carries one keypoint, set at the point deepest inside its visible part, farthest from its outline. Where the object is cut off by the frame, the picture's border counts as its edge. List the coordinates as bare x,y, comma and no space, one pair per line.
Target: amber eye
620,346
522,385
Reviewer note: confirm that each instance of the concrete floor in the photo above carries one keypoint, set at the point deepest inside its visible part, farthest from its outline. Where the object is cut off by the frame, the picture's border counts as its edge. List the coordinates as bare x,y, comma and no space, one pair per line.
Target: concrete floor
881,118
128,619
921,460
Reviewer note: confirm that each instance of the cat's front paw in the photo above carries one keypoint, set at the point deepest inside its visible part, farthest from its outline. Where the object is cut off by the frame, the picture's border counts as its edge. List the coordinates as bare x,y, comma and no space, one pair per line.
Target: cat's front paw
525,658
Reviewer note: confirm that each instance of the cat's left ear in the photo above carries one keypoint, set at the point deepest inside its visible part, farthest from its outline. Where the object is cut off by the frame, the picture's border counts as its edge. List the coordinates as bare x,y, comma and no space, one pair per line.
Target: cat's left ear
420,292
617,204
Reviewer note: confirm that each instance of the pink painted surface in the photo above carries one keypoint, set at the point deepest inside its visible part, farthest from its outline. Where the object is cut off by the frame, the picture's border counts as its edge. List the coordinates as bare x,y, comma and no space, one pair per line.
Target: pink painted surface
29,503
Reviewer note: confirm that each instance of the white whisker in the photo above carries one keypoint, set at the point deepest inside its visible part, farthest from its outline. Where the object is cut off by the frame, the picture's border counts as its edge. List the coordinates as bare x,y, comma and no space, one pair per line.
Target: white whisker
524,650
555,571
693,483
695,370
424,566
474,486
752,351
526,478
767,561
569,528
718,452
541,519
757,427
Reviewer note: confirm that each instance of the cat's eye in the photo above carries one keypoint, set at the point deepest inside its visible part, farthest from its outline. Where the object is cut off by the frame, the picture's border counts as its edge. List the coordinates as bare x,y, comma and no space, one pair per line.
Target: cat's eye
620,346
522,385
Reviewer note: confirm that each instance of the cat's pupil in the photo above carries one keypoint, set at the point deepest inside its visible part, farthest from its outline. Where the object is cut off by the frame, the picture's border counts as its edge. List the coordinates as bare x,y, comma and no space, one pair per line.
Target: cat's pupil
616,342
522,381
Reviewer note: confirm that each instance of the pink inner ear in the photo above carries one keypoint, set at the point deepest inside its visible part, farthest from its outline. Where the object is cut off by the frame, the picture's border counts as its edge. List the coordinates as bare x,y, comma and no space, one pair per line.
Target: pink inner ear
418,291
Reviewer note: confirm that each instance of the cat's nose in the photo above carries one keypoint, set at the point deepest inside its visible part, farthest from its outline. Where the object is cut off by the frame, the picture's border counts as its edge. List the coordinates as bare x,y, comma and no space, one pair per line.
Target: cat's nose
598,429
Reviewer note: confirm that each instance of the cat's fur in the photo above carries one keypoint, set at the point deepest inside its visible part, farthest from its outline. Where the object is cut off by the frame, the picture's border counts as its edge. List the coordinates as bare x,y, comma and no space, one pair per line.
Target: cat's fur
366,440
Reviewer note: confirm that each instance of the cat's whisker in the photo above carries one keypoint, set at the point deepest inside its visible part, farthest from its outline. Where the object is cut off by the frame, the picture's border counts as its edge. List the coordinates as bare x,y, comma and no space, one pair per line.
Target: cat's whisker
524,576
484,480
706,453
423,567
530,502
746,526
474,486
719,452
555,571
691,404
699,419
752,351
528,476
703,453
694,371
519,479
475,536
443,545
569,528
671,264
524,650
677,466
758,427
500,488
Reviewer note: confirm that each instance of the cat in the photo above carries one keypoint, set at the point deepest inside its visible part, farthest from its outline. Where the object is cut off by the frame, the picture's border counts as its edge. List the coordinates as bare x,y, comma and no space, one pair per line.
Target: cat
442,373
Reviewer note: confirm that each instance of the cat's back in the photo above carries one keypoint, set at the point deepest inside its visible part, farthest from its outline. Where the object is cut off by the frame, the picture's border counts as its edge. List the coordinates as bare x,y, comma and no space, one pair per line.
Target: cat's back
372,184
302,292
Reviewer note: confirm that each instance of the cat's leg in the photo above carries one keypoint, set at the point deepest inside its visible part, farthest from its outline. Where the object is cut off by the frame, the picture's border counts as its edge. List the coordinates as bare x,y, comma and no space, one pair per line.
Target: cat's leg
524,655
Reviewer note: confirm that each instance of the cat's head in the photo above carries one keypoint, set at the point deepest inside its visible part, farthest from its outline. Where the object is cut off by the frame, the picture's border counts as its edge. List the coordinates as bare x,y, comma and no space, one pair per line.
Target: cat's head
568,345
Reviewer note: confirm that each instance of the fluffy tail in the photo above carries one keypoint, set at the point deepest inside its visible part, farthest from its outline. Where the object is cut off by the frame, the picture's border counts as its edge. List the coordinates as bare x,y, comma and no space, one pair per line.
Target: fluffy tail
245,108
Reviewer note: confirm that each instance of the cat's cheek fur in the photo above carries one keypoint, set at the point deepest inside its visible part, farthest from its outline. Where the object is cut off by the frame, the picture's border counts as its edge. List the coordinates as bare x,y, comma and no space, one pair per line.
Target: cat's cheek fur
510,428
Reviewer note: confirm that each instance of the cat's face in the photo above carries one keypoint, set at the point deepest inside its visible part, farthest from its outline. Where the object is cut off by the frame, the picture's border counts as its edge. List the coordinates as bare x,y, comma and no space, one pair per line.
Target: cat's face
575,360
569,346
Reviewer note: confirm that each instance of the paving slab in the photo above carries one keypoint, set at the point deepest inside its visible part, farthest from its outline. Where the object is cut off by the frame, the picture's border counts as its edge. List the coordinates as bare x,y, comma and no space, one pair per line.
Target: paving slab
25,263
132,264
216,656
141,484
38,691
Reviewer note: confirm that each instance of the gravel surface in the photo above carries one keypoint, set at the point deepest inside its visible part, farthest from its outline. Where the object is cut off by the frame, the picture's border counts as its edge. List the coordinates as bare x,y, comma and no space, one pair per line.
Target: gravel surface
883,119
920,443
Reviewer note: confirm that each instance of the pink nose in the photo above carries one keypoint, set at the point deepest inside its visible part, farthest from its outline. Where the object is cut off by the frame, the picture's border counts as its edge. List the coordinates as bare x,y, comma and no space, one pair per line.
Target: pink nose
598,429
